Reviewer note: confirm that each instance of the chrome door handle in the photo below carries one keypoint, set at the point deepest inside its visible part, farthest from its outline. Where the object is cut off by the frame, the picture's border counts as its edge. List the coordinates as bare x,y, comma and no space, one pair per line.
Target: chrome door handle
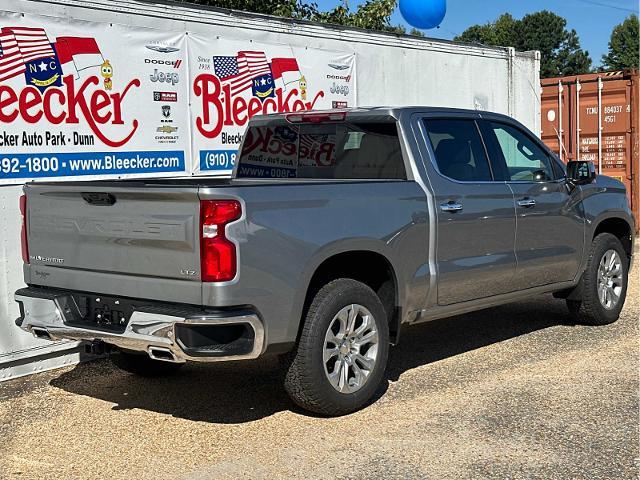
527,203
451,207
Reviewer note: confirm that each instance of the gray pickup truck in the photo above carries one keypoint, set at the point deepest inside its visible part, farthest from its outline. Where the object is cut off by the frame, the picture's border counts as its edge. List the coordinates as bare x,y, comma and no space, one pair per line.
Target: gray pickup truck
336,229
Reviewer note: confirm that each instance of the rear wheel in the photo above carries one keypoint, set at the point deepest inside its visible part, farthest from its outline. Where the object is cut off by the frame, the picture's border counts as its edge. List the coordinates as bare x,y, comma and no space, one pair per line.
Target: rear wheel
604,283
140,364
342,352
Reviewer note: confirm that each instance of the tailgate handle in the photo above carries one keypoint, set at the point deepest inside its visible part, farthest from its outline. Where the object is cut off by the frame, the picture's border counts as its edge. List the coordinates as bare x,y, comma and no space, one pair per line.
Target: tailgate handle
98,198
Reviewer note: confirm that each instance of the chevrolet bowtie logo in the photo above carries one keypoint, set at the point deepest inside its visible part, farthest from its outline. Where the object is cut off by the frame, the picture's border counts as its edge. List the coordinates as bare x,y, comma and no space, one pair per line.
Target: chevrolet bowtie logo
167,129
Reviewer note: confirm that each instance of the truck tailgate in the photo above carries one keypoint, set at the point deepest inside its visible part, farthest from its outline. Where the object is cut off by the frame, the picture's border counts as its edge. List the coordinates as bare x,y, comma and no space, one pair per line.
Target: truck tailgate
115,238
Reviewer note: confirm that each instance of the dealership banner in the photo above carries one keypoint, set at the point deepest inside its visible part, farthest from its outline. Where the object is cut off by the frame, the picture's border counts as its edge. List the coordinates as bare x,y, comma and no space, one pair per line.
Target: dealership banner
90,99
234,80
96,100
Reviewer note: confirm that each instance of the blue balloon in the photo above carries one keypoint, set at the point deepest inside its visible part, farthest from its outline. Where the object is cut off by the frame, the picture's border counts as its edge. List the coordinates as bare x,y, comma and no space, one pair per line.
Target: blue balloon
423,14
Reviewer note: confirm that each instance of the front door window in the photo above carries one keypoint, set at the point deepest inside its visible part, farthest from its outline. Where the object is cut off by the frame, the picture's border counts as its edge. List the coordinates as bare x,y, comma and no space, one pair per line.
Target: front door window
525,160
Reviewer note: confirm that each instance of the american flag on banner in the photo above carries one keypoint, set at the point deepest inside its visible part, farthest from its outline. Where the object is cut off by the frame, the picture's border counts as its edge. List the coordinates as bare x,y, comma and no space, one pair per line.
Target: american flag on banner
11,63
240,70
20,45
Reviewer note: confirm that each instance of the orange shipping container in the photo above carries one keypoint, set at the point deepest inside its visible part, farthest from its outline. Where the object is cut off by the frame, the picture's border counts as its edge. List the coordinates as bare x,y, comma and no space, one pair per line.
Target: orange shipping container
595,117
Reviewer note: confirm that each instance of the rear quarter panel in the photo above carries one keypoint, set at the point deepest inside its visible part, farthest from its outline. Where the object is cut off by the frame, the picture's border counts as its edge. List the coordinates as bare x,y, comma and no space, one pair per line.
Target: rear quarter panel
288,230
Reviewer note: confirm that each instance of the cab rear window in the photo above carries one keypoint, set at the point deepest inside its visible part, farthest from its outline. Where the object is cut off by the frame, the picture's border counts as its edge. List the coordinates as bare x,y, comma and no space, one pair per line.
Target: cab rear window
322,151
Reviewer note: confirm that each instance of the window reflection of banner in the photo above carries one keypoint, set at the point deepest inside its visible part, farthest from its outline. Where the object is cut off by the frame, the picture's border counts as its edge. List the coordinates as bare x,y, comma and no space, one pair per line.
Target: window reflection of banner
317,150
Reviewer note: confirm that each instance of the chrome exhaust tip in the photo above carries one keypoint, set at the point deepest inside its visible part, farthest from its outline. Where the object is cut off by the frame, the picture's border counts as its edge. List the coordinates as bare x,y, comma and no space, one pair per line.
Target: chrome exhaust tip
42,333
162,354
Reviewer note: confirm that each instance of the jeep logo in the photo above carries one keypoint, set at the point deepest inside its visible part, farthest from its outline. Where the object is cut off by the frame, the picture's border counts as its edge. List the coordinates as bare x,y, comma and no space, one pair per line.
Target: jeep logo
171,78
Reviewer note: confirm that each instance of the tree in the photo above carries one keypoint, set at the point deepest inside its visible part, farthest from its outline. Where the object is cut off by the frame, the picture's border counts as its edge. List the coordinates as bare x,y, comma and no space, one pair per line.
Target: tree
545,31
283,8
501,32
371,15
374,15
623,46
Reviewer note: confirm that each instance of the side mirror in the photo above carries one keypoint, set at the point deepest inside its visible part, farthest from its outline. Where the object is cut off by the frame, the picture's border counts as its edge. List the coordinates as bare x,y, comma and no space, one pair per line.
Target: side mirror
581,173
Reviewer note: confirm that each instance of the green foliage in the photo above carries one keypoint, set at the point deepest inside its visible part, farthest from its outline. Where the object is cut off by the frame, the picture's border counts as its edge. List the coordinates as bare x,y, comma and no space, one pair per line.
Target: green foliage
545,31
623,46
283,8
502,32
371,15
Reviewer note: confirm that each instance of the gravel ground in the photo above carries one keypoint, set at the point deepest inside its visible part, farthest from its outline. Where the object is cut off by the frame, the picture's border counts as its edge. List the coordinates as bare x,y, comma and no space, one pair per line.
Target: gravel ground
510,392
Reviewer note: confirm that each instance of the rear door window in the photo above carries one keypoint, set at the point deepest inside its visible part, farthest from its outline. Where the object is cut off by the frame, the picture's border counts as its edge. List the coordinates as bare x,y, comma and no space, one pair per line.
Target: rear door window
458,148
322,151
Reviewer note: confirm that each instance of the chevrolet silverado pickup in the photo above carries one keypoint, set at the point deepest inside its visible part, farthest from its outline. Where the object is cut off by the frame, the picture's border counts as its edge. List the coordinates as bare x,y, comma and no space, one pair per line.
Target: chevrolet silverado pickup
335,229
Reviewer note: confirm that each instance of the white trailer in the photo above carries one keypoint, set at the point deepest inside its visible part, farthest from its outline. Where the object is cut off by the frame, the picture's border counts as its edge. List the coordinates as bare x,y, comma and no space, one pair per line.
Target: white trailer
365,69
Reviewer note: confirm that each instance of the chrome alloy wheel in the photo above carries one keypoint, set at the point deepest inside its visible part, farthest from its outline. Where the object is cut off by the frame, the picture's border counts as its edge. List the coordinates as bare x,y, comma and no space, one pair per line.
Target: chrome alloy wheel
350,348
610,279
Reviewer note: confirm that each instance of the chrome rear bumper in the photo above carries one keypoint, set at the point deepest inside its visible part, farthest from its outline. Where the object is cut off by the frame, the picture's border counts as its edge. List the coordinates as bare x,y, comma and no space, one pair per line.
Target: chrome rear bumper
153,333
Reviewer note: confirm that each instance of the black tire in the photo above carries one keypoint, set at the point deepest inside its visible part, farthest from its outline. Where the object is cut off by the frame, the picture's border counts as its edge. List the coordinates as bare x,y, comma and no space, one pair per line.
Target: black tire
306,381
589,310
142,365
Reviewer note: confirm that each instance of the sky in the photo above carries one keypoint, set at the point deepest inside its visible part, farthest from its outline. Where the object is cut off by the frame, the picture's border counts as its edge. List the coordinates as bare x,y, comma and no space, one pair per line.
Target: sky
592,19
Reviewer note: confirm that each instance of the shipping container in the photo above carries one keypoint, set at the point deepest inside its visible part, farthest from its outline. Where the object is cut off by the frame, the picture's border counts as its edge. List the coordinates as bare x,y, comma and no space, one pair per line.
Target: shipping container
595,117
390,69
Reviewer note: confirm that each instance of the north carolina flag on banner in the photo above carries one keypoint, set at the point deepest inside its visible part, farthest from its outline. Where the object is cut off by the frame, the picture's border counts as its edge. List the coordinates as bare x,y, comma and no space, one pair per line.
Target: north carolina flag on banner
285,71
82,51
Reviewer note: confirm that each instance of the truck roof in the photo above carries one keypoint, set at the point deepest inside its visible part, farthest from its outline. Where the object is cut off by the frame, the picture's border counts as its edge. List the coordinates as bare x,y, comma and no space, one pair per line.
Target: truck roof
395,112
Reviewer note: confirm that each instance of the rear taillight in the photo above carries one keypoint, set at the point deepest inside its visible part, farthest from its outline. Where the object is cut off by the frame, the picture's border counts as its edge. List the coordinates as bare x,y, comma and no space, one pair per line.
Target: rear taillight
217,253
23,232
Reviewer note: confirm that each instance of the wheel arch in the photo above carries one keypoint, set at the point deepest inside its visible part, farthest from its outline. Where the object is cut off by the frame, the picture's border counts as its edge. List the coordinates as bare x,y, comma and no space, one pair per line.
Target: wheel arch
618,227
615,224
367,265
